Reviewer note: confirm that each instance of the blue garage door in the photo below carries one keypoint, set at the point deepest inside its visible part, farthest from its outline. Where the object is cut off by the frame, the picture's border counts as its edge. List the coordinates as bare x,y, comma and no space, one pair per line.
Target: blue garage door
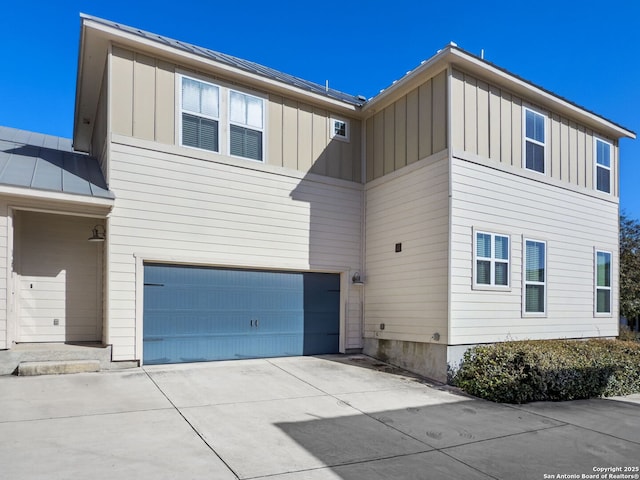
197,314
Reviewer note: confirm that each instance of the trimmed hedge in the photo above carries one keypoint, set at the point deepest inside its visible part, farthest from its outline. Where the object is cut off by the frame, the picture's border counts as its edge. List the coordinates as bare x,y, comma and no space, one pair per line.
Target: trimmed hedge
521,372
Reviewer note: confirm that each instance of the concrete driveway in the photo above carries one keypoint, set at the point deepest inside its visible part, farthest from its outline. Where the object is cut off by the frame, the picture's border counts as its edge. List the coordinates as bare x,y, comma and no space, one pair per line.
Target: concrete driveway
316,418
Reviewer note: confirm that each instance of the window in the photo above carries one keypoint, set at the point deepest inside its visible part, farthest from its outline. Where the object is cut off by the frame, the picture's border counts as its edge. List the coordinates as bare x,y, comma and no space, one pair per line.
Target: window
246,117
603,282
602,155
534,140
208,112
339,129
535,277
200,112
491,260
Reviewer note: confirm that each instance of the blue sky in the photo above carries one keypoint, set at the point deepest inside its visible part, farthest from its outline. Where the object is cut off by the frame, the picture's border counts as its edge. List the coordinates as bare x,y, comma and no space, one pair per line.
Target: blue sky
586,51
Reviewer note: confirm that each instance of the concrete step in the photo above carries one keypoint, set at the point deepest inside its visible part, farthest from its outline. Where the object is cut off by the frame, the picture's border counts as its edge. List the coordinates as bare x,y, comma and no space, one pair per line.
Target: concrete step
57,367
59,352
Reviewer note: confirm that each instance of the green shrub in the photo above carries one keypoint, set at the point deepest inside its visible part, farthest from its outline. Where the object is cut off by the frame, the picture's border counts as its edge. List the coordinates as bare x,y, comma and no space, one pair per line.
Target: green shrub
520,372
628,335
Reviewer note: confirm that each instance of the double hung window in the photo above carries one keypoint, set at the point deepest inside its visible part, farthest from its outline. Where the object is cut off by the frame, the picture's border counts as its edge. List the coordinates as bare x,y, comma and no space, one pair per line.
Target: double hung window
534,140
209,113
603,282
200,114
491,260
602,156
535,277
246,116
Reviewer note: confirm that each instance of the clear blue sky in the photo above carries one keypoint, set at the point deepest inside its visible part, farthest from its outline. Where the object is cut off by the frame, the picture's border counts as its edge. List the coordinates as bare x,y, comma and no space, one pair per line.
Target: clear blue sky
587,51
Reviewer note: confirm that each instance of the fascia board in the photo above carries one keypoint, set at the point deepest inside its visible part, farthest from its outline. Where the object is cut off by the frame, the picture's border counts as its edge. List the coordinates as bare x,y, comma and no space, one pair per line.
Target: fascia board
12,191
169,52
532,93
412,79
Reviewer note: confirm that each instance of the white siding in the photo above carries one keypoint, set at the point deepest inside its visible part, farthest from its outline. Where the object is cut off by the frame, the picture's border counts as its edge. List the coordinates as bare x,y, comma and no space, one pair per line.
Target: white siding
4,307
571,223
188,210
407,291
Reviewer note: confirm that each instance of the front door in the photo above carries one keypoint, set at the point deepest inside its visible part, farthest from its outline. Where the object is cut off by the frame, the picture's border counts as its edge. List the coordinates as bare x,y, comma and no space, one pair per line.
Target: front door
59,278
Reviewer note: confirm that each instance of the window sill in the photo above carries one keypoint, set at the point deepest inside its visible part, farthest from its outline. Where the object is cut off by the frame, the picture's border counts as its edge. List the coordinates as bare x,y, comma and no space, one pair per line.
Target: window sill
491,288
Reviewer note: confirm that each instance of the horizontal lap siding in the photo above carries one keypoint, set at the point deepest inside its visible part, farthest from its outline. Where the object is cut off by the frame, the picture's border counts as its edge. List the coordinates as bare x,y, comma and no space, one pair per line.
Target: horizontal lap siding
3,275
487,122
183,208
407,291
572,224
296,134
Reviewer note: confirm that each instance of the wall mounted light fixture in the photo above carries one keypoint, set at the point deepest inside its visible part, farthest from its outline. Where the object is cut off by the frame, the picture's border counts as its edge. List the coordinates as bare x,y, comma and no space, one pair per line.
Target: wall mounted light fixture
356,279
97,234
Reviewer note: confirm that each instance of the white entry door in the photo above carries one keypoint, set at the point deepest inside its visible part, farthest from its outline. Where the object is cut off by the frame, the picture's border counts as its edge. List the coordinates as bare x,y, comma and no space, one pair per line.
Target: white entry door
59,278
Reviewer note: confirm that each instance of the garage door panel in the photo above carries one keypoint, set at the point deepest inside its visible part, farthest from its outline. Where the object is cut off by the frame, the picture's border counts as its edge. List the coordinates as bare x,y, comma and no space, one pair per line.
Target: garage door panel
196,314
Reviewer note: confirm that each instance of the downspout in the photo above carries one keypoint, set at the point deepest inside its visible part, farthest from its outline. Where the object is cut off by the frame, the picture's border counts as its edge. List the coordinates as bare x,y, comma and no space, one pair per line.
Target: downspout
363,225
450,202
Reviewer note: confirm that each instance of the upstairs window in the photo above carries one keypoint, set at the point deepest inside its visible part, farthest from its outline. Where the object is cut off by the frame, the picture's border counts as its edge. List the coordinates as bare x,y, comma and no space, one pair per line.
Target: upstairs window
246,118
534,140
603,282
603,165
535,277
200,114
491,260
339,129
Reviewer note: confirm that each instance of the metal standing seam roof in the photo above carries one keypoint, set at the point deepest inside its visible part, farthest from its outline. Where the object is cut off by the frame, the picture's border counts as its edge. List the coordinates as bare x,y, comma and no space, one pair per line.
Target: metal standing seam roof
44,162
236,62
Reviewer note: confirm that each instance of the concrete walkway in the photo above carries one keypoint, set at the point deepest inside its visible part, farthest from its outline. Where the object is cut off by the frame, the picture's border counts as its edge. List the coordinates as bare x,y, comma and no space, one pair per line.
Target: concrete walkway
297,418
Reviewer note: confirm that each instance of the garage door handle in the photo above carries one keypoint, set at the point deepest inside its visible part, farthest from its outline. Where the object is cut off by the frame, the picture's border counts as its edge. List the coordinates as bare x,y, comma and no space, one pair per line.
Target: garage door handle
154,284
253,323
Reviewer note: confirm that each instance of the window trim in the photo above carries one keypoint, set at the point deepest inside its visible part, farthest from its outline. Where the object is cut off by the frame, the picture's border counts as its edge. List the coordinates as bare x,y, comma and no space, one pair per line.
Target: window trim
333,135
180,111
596,251
597,165
526,139
229,122
474,269
224,123
525,282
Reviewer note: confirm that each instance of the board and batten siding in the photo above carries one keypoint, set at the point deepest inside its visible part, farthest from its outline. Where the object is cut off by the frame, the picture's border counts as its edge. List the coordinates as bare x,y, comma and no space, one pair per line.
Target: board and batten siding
487,123
297,136
410,129
407,291
99,135
572,224
187,210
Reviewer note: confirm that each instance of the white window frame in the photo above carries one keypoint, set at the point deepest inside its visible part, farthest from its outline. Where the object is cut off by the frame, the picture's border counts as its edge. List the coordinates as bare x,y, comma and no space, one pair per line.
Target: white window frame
224,116
526,139
597,165
526,282
229,123
180,77
332,129
492,259
596,287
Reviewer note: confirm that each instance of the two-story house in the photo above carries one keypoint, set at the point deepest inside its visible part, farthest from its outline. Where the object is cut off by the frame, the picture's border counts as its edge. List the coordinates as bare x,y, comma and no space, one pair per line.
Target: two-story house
242,212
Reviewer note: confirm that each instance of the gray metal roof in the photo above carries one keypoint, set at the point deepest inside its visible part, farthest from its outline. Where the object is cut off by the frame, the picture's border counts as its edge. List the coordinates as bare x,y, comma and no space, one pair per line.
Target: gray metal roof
44,162
239,63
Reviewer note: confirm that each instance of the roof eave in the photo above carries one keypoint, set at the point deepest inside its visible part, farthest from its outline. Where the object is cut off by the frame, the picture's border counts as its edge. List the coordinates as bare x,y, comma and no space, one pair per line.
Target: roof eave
93,28
535,94
457,57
